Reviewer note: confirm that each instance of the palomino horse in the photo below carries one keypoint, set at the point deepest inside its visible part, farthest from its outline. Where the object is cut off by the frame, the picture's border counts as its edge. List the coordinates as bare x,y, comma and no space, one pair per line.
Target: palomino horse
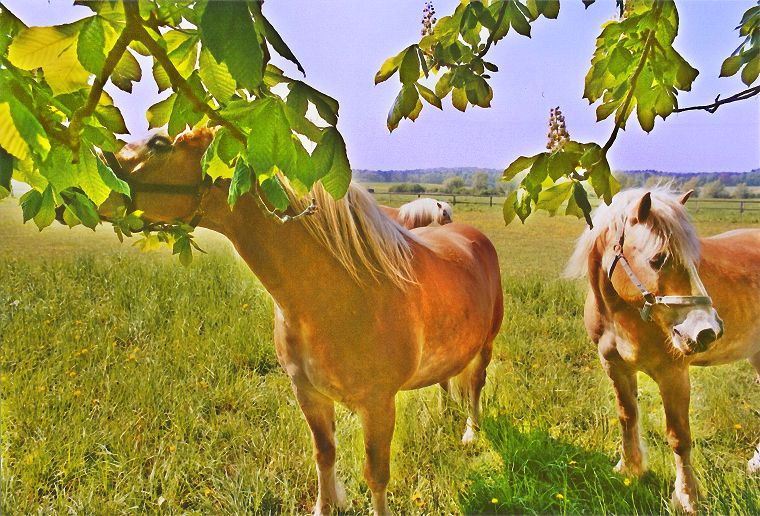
648,310
358,311
420,213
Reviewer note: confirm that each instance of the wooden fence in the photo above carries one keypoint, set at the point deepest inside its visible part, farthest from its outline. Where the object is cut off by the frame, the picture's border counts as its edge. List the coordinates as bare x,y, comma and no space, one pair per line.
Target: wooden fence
696,205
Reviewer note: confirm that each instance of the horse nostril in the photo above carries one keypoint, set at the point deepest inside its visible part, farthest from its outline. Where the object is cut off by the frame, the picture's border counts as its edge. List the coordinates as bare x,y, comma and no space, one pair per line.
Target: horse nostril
705,338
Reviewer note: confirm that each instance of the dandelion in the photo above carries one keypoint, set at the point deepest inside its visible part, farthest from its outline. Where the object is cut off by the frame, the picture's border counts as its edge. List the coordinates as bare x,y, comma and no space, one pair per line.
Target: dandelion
83,351
738,426
245,305
559,496
627,481
77,392
494,501
72,374
3,378
172,448
573,462
207,491
417,498
41,388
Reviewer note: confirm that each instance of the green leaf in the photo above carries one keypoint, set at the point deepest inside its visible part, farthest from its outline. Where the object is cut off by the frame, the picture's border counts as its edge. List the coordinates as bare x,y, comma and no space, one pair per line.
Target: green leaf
241,182
578,204
508,210
6,169
459,99
216,77
91,45
517,20
271,142
478,91
730,66
228,32
553,197
183,112
751,70
538,172
389,67
409,71
161,77
211,164
183,248
55,51
518,166
274,39
111,181
30,202
522,206
158,114
20,132
646,116
46,213
111,118
126,72
89,178
338,178
100,137
58,170
405,103
561,164
429,96
275,194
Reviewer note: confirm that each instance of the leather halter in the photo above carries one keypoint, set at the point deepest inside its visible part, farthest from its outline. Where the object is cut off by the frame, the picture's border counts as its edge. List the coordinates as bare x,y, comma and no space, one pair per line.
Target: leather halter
650,299
197,190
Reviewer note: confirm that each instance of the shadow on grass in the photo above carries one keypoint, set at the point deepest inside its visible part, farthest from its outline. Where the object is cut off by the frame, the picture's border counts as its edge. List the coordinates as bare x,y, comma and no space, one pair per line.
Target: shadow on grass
540,474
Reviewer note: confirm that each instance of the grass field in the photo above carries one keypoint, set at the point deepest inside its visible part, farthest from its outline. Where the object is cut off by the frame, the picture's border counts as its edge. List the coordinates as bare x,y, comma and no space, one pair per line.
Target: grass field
132,384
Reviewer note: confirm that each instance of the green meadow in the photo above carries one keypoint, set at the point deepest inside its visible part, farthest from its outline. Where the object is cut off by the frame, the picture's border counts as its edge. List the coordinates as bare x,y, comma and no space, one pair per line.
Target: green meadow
129,383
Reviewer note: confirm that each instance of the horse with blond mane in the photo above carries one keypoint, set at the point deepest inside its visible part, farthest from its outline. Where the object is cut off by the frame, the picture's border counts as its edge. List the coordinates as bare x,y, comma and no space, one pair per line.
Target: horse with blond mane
661,300
358,315
420,213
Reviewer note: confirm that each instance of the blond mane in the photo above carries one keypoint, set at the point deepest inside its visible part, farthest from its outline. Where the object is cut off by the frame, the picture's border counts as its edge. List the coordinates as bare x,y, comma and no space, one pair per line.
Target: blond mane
669,221
358,234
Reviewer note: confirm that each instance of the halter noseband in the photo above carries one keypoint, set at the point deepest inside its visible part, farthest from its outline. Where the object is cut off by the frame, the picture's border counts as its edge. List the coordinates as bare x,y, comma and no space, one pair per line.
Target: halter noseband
198,190
650,299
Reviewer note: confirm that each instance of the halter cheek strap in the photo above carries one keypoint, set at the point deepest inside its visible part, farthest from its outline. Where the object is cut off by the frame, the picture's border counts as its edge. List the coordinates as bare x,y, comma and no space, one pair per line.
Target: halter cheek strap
650,299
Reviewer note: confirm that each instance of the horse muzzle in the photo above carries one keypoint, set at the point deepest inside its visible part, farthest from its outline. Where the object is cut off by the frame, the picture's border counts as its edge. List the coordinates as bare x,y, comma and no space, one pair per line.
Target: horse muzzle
697,332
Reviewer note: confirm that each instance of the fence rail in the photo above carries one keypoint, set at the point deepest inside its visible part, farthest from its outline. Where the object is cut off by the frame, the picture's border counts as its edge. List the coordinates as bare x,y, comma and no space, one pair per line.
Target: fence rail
697,205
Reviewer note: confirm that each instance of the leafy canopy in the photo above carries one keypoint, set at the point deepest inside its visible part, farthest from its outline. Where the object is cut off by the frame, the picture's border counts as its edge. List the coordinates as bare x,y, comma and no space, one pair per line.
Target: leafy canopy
212,56
635,66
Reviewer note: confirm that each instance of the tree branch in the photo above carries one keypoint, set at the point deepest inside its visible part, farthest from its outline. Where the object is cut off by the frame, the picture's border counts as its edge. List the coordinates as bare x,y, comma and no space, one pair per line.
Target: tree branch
490,41
712,108
179,84
114,55
647,47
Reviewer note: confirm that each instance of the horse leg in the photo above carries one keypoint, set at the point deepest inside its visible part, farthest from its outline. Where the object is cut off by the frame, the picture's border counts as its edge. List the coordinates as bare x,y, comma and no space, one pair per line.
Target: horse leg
472,379
633,456
753,466
675,392
319,411
378,419
755,361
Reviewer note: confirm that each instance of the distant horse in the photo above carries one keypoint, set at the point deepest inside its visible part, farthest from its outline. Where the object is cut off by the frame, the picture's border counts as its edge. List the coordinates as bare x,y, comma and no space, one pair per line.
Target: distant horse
358,311
420,213
648,310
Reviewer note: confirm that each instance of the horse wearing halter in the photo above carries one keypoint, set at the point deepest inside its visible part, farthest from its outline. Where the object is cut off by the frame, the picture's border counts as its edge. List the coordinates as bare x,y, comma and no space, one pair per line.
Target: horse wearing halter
650,299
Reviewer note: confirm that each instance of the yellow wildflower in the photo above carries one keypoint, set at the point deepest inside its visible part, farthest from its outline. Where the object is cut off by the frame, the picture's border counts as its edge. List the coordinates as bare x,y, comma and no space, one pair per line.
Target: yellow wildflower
627,481
77,392
738,426
417,497
207,491
559,496
573,462
172,448
72,374
494,501
245,305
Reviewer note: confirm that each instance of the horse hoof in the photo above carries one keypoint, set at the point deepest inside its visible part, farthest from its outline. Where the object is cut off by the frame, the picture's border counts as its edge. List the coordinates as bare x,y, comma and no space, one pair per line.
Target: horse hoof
683,503
328,507
469,436
753,466
630,469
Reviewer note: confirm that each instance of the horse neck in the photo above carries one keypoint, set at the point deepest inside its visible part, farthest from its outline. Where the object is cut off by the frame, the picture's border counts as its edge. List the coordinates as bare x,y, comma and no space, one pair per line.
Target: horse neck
290,263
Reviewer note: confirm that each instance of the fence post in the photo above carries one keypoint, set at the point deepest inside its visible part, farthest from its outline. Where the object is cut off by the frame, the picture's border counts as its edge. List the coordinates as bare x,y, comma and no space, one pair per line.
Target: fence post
454,199
490,200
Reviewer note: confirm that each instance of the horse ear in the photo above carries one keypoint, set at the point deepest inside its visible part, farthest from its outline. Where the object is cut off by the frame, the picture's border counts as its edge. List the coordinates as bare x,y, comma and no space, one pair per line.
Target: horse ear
645,205
439,204
685,197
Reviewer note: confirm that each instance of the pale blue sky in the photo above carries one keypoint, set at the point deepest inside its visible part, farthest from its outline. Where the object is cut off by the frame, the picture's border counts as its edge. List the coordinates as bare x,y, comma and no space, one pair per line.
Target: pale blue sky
341,43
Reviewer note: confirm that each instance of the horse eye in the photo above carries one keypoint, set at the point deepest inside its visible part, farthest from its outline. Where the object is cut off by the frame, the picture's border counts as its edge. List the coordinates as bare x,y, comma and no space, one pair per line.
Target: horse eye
160,143
658,261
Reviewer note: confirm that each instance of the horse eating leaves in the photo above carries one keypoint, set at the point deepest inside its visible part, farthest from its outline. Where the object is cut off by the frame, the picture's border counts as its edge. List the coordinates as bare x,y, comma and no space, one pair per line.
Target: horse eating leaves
358,315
